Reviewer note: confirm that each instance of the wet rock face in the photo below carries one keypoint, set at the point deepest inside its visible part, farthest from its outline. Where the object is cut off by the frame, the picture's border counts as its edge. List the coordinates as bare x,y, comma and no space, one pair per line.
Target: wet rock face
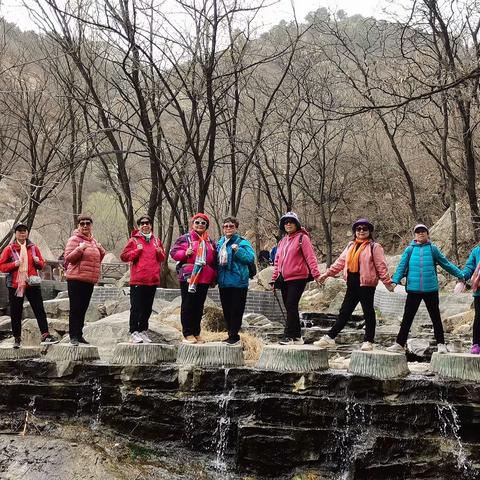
264,423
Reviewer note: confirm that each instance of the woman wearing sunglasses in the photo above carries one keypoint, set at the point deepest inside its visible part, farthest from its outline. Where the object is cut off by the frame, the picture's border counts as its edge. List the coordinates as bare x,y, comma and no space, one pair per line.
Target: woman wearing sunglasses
363,264
234,255
83,257
295,265
145,253
195,254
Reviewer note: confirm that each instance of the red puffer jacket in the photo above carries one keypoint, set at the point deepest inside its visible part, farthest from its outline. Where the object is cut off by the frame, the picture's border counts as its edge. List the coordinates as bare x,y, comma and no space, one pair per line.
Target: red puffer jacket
83,265
8,258
145,262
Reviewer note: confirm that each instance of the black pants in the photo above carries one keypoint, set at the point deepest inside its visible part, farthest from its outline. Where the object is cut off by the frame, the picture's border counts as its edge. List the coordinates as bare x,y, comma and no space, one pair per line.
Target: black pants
191,311
354,294
476,321
141,301
34,296
79,294
291,292
233,305
411,306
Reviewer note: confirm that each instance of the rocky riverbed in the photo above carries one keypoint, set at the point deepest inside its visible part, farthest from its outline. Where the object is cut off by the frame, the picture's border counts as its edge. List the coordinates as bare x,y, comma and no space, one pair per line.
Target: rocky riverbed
156,422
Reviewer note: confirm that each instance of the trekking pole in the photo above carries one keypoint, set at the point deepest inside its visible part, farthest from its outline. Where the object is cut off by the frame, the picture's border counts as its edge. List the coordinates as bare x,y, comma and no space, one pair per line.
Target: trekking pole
280,305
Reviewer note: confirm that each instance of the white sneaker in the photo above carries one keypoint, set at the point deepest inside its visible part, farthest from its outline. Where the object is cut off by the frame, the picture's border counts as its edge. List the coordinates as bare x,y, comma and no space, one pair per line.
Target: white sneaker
396,348
135,338
325,342
367,346
441,348
143,335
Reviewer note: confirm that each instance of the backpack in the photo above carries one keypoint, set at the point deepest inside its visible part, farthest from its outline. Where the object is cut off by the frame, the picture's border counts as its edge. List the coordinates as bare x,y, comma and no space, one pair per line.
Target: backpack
300,242
252,266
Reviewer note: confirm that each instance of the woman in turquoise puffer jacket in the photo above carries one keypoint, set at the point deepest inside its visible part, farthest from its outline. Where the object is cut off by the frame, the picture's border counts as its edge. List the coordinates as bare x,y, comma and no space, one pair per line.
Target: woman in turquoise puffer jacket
234,255
418,264
472,270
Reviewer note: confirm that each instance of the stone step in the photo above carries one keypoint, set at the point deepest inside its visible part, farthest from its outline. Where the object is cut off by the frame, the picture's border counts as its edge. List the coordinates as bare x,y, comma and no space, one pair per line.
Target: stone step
66,352
9,353
326,320
143,353
459,366
378,364
293,358
212,354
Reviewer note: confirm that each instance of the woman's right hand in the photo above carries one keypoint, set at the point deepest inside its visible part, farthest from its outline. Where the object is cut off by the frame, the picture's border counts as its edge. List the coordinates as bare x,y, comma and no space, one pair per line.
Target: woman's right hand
82,245
189,251
17,263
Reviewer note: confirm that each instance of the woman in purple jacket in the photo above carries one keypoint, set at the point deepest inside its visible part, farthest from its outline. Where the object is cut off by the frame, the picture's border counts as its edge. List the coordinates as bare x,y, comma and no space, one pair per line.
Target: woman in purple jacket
195,254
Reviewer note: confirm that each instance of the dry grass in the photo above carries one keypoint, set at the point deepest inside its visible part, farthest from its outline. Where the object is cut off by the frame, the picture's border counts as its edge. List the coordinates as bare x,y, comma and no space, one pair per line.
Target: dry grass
252,345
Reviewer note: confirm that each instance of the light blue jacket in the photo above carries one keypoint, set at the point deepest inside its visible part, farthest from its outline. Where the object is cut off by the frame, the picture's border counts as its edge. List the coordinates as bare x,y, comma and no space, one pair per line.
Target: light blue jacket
418,263
471,265
235,273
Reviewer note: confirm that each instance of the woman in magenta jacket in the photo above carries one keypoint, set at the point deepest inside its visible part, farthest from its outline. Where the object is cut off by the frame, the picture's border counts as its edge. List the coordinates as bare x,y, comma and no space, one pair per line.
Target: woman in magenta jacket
195,254
295,265
146,254
363,263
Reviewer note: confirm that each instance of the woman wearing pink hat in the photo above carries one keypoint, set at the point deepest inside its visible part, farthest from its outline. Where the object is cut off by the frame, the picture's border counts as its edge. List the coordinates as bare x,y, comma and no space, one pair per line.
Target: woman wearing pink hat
195,255
363,264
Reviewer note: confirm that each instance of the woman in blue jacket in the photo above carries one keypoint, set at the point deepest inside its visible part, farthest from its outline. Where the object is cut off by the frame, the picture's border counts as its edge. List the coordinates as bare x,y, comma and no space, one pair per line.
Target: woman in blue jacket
419,264
234,255
472,269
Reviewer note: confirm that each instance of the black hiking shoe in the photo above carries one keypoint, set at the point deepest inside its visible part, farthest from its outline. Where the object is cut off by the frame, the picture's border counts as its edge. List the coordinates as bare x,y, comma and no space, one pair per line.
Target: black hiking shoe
82,340
74,341
49,340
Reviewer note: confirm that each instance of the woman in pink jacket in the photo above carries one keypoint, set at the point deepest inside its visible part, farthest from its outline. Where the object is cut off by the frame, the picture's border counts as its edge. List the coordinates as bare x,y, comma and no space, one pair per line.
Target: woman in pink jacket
195,254
146,254
295,265
83,257
363,263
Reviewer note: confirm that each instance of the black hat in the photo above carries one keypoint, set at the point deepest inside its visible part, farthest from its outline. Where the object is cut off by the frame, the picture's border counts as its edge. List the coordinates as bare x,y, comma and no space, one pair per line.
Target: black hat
20,226
144,217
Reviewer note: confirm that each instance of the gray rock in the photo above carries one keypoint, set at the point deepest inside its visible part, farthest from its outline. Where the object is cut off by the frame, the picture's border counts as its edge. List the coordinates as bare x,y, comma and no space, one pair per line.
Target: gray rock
418,346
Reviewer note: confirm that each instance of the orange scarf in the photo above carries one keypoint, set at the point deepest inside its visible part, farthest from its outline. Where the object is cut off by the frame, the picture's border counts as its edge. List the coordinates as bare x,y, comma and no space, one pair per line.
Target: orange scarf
353,264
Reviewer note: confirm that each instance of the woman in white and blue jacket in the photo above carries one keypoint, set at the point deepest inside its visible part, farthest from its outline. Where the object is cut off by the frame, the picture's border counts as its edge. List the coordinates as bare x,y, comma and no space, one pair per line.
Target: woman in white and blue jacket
472,270
235,255
419,264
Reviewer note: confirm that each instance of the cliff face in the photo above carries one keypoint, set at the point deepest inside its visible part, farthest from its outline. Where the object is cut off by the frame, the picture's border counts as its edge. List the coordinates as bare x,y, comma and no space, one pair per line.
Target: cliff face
244,421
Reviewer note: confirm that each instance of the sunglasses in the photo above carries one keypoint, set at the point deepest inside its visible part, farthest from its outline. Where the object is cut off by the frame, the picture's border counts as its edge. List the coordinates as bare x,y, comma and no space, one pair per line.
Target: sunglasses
199,222
145,223
85,224
362,229
229,225
292,222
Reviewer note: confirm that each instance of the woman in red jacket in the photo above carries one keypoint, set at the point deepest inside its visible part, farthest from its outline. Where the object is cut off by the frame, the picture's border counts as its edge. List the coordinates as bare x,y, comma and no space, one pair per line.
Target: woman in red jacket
146,254
21,260
295,265
83,257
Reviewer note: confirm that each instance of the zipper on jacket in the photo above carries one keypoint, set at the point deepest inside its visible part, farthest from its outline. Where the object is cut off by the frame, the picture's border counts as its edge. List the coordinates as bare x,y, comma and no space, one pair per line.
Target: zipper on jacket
421,269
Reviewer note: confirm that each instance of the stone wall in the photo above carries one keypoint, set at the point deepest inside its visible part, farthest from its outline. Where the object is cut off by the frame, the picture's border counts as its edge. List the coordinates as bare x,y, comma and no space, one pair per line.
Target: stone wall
257,301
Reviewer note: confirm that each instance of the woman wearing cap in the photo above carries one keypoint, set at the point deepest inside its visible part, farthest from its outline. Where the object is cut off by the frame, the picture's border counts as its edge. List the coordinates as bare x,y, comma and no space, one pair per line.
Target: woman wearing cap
145,252
234,255
363,264
21,260
83,257
195,255
418,263
472,270
295,265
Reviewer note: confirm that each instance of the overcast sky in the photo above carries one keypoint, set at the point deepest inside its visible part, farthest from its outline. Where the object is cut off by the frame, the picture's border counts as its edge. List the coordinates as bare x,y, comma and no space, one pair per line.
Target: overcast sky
282,10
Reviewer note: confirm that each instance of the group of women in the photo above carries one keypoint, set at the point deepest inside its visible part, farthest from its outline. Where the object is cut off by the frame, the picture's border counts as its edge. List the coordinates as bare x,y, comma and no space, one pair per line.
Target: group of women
202,263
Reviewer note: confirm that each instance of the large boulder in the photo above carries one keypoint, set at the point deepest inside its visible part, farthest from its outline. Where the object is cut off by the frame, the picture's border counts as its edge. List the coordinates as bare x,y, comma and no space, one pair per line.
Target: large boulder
318,299
110,258
109,331
451,324
31,335
212,319
264,277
